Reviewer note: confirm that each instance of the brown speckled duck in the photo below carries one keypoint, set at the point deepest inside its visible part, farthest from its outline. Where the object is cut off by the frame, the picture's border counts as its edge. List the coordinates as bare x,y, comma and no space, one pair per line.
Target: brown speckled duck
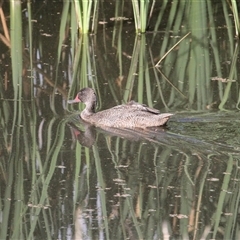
130,115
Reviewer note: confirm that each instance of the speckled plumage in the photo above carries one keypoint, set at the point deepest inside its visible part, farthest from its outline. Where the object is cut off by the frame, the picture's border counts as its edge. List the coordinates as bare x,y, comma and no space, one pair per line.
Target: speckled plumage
130,115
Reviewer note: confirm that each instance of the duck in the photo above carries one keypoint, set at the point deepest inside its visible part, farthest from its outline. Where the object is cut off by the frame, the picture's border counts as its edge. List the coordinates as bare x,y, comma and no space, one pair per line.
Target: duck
130,115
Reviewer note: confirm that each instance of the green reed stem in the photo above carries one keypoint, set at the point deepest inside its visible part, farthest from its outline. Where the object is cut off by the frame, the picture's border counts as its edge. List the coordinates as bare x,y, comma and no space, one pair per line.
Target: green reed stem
144,5
16,55
136,15
231,76
140,15
83,12
236,17
214,46
141,67
132,71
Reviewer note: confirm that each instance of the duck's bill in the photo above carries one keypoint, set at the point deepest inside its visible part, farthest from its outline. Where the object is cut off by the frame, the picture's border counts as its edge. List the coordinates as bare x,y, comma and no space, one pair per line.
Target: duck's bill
76,100
71,101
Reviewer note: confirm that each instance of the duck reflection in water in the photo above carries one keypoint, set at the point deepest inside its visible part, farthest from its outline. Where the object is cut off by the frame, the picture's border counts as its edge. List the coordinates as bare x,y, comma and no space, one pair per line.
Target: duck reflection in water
130,115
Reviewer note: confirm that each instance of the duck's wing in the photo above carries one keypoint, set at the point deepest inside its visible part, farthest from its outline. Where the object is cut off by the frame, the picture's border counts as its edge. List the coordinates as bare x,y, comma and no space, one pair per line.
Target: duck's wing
132,105
143,107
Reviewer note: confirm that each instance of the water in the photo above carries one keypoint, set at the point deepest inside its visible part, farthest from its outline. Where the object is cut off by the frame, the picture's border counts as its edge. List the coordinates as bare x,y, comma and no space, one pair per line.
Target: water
64,179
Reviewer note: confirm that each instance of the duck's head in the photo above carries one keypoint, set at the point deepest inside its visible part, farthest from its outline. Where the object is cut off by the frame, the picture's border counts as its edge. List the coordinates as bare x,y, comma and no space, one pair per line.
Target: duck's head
87,96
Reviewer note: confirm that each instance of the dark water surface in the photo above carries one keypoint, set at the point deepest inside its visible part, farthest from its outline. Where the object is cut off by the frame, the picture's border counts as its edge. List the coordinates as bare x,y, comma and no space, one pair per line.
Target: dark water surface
64,179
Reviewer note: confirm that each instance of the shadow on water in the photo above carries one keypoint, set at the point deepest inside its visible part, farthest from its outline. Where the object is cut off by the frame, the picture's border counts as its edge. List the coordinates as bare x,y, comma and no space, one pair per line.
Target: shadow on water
61,178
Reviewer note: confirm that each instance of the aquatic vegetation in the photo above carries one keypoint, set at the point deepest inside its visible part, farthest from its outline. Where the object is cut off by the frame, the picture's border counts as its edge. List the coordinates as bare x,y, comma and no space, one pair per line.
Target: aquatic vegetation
181,181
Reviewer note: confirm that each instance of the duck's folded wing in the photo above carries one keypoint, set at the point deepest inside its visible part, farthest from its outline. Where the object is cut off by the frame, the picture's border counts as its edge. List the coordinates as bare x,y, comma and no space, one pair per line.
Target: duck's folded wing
143,107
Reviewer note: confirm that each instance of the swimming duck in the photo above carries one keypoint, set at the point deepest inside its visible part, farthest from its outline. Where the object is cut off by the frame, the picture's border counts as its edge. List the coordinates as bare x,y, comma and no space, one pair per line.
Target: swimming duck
129,115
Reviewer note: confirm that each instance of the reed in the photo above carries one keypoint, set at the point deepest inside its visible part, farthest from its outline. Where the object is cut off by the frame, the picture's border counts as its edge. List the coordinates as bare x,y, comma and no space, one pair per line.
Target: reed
16,56
140,11
234,8
132,71
84,12
232,75
191,50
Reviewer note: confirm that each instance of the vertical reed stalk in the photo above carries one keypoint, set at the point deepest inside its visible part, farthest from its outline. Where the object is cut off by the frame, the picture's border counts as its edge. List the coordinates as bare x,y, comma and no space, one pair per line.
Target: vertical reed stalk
140,15
132,71
16,55
236,17
83,11
232,73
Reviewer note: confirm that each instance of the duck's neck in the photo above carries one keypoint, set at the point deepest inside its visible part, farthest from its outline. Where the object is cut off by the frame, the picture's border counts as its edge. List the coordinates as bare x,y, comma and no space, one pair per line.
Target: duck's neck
89,110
